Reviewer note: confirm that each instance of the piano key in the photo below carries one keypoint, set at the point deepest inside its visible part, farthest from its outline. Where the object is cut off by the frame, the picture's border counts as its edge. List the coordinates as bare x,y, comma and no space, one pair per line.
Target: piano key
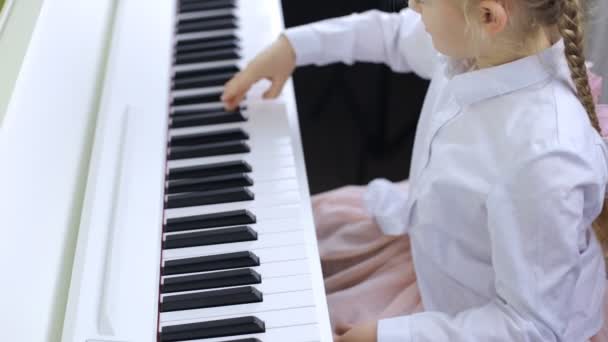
205,5
268,226
207,150
268,285
210,299
197,106
209,183
207,56
282,167
185,93
209,137
268,240
206,119
196,99
198,67
215,328
203,281
245,340
271,302
204,34
209,24
210,263
198,198
210,237
218,219
269,257
227,15
209,169
263,151
218,79
300,333
189,74
205,14
204,202
272,319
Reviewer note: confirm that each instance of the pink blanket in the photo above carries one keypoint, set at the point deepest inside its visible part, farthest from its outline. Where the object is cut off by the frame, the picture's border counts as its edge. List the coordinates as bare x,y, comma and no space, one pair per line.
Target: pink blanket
368,276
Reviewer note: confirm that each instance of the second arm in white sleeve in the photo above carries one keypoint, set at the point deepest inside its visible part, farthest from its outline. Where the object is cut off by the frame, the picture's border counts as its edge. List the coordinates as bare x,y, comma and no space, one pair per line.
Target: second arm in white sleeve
398,40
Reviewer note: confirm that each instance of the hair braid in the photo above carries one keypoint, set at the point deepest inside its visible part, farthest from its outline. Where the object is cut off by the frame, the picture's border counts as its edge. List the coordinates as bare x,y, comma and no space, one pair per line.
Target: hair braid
570,26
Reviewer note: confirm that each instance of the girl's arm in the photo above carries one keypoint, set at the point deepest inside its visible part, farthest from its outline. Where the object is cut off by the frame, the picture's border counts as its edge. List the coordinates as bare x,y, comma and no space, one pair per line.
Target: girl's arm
549,274
396,39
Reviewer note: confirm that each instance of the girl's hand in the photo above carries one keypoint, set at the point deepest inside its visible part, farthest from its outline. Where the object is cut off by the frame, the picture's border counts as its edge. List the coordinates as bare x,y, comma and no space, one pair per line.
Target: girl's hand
276,63
365,332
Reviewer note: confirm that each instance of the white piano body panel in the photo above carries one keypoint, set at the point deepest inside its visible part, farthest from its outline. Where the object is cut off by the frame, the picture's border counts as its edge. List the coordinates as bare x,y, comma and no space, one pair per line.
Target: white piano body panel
44,142
83,143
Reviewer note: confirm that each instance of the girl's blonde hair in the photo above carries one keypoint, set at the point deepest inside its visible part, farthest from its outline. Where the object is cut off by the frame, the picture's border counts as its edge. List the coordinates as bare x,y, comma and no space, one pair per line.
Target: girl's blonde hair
567,17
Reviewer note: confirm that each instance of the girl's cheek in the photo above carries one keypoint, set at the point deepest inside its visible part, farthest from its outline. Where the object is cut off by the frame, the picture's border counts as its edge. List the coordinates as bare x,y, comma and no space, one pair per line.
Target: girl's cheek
413,4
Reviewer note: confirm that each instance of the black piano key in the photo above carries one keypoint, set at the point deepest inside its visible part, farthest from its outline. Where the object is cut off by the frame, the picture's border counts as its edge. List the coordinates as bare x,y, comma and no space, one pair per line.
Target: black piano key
212,280
209,170
209,183
187,74
204,119
210,263
192,199
223,135
186,7
196,99
207,24
202,81
208,150
210,329
204,44
223,219
212,298
210,237
207,56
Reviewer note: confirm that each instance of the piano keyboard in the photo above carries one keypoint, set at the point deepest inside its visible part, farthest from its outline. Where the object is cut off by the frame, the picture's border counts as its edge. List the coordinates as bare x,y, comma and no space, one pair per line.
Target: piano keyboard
234,257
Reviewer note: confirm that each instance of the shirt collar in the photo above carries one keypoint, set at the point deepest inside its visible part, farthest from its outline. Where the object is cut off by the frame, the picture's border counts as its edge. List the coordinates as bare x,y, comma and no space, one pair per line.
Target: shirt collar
473,86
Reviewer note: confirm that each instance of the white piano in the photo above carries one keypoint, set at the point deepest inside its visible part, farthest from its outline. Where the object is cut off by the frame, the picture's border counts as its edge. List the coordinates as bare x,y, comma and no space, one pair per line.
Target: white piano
134,209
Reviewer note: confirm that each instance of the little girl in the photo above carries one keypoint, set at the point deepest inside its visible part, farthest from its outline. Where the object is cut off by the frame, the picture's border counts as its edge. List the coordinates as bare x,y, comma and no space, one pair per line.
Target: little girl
508,177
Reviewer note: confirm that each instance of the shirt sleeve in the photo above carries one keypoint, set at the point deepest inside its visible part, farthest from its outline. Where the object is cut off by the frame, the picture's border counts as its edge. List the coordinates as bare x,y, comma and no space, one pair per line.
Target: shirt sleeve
536,219
387,203
396,39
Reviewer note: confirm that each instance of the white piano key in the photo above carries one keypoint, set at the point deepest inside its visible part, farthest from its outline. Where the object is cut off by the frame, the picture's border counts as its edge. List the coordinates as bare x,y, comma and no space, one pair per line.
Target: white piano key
176,94
268,286
268,226
250,158
260,202
282,211
204,66
264,241
271,255
274,186
299,333
205,34
205,14
272,319
276,301
280,133
202,106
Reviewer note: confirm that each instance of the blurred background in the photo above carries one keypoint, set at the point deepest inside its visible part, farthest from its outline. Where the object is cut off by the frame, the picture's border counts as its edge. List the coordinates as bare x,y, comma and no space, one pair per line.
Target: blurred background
357,122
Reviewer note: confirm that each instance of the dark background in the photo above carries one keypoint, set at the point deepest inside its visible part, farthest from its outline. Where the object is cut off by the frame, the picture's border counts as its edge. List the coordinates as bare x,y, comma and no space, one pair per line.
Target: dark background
357,122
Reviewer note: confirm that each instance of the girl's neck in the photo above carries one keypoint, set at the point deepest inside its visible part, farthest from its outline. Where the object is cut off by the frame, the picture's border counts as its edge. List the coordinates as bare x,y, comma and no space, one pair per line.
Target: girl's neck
492,55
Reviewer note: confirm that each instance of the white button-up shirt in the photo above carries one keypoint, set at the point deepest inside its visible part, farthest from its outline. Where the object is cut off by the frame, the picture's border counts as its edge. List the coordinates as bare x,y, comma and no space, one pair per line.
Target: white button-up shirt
507,176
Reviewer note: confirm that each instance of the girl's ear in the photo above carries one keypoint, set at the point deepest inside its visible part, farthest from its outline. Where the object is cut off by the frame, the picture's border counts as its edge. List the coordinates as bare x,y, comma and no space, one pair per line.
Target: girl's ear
492,17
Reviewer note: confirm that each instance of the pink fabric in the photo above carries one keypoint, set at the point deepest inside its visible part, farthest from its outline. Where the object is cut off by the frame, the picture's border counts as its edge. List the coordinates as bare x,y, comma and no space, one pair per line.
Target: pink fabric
595,83
368,276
